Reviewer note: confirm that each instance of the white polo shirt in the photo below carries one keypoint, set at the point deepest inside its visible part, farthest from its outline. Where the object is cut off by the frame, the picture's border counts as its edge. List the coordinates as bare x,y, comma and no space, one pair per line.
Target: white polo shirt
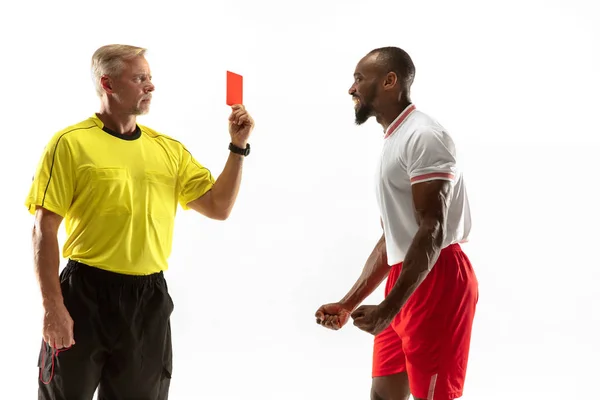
417,149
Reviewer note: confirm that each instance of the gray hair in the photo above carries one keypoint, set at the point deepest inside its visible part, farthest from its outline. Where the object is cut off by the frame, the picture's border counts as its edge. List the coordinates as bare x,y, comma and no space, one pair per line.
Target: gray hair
109,60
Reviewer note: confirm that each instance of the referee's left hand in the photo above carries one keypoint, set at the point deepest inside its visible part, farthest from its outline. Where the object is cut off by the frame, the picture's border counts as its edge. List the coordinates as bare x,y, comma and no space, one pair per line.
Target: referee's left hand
241,125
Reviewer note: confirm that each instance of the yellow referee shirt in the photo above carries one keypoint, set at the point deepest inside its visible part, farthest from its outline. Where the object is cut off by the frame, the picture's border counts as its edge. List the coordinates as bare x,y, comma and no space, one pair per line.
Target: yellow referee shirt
117,194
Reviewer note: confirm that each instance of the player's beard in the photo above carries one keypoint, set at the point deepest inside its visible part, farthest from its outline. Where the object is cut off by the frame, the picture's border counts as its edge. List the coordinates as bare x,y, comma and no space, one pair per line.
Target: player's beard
362,113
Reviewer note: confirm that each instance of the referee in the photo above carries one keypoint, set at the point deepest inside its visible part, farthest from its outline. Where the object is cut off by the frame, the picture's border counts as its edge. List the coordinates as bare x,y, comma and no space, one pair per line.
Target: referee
117,185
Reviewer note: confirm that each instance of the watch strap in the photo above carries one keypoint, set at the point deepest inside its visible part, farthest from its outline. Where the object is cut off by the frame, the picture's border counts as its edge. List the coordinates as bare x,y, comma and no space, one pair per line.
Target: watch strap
238,150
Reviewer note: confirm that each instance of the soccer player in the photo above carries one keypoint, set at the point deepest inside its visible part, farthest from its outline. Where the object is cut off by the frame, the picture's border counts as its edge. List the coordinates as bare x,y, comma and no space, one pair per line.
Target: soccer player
117,185
422,328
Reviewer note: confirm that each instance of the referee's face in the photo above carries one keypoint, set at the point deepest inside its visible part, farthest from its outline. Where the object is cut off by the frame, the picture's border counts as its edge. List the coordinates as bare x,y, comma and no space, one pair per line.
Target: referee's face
133,88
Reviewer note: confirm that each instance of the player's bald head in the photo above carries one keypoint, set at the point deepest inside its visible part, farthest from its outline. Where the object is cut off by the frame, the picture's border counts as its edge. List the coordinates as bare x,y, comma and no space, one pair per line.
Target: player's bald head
392,59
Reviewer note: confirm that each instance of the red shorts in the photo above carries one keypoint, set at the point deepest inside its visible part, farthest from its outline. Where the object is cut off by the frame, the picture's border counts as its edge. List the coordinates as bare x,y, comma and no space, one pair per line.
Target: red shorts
430,338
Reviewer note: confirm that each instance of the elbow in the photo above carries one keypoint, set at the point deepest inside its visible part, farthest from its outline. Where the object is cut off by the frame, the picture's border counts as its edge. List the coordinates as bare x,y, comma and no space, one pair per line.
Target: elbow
431,240
221,214
435,230
35,236
217,209
37,233
439,235
221,217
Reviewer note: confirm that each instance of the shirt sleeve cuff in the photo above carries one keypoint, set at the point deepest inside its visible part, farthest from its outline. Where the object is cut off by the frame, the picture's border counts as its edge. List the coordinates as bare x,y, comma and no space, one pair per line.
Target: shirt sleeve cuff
446,176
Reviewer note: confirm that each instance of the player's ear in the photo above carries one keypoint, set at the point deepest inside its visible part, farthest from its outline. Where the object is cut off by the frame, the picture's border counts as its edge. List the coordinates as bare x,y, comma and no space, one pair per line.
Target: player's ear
390,80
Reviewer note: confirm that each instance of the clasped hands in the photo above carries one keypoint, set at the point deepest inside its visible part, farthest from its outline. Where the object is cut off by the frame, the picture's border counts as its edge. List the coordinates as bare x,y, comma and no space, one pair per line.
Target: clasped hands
371,319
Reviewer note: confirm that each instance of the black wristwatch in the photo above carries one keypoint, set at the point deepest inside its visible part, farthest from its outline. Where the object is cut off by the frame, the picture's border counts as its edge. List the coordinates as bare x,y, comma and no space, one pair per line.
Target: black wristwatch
237,150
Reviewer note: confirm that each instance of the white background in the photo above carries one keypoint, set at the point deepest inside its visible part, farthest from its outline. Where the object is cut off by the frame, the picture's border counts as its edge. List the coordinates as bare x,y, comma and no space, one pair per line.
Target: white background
515,82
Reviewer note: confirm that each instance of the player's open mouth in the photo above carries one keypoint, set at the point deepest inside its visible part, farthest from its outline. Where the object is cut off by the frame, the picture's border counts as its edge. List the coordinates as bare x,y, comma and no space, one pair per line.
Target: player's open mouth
356,101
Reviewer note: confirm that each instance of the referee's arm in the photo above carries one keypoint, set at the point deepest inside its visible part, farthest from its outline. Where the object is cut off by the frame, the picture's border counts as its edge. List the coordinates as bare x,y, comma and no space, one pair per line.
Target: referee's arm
46,255
218,202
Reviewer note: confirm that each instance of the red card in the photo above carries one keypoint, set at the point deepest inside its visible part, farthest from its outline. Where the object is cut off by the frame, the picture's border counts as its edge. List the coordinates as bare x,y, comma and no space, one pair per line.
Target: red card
235,88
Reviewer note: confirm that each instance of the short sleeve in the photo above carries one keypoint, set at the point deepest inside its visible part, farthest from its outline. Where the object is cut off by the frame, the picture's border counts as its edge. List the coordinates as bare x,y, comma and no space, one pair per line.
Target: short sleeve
194,179
430,155
54,180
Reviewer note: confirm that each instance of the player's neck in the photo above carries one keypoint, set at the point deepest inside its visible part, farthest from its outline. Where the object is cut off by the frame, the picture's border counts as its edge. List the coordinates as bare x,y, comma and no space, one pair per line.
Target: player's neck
390,113
124,124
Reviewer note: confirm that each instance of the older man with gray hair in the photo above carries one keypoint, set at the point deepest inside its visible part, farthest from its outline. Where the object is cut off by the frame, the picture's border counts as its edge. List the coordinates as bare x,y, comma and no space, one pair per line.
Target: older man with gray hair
117,185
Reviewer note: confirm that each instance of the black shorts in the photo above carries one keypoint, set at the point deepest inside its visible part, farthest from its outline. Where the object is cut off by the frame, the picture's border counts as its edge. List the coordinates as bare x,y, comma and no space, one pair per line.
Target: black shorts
122,337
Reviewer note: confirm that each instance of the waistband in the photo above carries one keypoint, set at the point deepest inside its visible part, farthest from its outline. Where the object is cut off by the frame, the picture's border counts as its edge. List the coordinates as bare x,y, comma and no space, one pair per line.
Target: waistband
109,277
454,247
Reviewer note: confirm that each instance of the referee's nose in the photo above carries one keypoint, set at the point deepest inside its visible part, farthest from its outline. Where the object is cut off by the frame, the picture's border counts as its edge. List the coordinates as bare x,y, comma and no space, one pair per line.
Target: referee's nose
149,87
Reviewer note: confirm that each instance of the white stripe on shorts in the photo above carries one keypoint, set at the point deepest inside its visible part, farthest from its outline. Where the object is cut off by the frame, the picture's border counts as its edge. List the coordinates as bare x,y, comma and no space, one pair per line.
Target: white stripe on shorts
431,387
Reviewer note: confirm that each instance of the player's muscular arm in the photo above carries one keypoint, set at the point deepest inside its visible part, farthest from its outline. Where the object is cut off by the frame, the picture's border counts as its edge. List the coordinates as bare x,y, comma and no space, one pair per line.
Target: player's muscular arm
218,202
374,272
46,255
431,206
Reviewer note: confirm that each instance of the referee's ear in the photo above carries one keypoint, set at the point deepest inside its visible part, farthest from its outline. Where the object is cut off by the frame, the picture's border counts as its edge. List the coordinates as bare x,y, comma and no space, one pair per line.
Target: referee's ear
106,84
